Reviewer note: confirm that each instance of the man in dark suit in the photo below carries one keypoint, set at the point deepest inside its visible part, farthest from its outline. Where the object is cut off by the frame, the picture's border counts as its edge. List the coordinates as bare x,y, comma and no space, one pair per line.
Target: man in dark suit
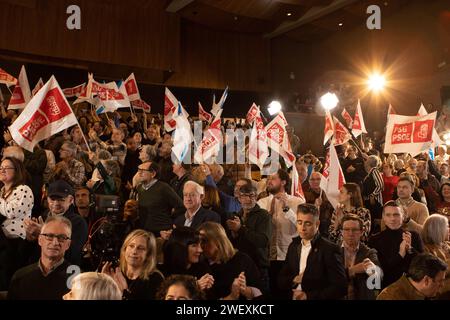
195,215
360,261
314,268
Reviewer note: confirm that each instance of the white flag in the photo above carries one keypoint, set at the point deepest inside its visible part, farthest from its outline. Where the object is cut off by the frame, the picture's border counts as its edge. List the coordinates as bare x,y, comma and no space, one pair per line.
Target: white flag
296,187
170,106
210,145
46,114
217,106
22,93
329,127
38,86
358,126
131,88
278,139
332,178
436,139
182,137
258,148
341,134
411,135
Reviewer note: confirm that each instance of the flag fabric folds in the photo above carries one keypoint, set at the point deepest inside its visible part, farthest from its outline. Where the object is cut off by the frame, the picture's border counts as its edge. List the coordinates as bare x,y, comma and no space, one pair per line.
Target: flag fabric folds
46,114
333,177
22,92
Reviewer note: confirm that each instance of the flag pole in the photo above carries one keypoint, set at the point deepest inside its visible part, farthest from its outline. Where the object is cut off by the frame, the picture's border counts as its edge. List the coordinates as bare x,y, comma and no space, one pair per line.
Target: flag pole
82,133
356,145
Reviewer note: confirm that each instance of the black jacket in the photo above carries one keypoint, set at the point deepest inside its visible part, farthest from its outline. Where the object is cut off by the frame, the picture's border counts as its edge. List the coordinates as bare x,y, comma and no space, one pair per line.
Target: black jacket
359,281
201,216
254,236
324,277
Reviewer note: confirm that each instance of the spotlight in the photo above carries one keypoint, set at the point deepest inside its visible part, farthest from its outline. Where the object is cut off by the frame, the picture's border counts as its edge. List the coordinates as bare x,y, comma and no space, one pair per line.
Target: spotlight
274,107
329,101
289,14
376,82
340,24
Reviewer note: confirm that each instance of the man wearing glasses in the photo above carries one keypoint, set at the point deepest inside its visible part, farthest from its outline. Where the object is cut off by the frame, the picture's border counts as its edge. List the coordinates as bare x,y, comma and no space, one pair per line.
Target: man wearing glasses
156,199
251,231
60,203
47,278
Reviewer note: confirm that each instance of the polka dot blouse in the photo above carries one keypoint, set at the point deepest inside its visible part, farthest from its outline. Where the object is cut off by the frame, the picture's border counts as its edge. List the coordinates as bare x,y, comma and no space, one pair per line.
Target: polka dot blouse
16,208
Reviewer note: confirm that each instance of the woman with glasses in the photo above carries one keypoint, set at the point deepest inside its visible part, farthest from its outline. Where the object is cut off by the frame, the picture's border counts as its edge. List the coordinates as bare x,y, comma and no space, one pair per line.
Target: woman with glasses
350,202
235,274
16,203
137,275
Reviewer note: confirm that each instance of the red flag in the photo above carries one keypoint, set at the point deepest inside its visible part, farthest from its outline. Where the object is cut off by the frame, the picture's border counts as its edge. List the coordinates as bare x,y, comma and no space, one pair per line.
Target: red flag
46,114
329,127
6,78
347,117
22,93
141,104
358,126
202,114
341,134
333,177
75,91
38,86
296,187
252,113
132,88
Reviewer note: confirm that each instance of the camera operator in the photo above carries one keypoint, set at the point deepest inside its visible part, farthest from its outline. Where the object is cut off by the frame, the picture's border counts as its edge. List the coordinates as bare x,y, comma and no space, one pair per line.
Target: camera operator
60,203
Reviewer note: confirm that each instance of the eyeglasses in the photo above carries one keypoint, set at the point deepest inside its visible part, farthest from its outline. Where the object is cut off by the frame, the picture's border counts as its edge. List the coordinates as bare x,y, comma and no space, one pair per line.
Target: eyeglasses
247,195
60,237
144,170
7,168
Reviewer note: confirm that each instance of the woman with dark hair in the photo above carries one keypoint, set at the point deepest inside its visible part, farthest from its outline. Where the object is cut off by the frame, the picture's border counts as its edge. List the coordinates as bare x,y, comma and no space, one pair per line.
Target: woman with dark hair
443,205
182,253
180,287
16,203
350,202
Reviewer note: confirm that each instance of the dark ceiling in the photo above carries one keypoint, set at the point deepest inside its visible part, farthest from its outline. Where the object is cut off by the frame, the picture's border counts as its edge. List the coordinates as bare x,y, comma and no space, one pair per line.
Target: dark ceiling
300,20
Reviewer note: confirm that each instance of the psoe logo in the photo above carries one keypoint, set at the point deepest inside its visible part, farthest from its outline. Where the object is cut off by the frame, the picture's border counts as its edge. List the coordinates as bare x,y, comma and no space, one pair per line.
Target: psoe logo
73,22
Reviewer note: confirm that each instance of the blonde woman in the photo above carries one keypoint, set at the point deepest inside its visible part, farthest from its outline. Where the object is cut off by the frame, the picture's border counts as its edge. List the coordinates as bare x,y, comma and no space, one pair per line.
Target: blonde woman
235,274
137,275
93,286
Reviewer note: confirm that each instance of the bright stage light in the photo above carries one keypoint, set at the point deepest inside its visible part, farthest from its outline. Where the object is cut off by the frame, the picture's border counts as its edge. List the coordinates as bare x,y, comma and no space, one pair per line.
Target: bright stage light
274,107
376,82
329,101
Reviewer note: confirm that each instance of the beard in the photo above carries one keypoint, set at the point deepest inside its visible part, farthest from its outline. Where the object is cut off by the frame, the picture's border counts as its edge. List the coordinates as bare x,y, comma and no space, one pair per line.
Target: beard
274,190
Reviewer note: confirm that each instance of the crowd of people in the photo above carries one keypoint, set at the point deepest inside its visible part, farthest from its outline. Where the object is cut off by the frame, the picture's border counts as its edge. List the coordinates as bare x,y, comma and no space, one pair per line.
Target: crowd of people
116,219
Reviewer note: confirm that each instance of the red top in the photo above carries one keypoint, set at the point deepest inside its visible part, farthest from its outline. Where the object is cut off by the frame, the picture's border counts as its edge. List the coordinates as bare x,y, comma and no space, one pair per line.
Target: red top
390,183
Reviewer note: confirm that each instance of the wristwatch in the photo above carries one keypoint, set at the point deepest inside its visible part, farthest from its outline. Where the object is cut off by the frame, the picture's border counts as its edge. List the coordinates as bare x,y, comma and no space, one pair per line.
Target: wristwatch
286,209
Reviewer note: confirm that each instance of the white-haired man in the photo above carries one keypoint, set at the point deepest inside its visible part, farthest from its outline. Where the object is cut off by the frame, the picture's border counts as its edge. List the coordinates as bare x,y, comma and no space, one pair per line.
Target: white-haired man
195,215
47,278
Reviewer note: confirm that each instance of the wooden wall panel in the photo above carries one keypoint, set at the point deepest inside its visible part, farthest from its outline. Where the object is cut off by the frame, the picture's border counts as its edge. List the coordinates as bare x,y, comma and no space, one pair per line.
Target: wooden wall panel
213,59
115,32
